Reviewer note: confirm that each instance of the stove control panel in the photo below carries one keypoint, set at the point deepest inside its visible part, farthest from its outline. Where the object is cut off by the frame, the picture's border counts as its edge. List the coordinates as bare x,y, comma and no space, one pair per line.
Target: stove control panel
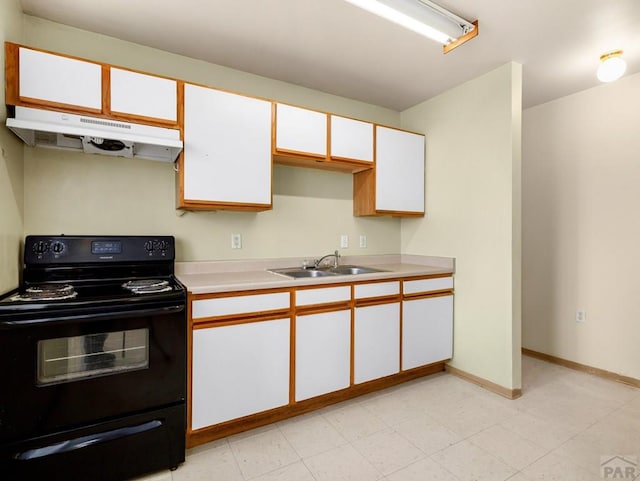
80,249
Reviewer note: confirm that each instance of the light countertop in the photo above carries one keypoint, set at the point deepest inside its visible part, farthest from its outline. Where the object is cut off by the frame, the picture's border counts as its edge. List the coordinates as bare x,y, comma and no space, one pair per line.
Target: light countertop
227,276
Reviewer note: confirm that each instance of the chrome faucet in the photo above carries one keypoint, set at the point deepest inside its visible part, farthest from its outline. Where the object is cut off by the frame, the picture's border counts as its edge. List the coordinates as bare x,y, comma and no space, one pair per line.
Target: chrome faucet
336,259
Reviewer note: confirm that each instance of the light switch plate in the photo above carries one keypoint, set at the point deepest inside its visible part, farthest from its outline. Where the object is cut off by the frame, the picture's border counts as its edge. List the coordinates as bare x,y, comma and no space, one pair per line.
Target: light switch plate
344,241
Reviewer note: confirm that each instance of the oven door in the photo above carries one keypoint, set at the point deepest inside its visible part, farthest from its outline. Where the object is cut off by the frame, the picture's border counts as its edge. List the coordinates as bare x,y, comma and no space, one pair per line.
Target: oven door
69,371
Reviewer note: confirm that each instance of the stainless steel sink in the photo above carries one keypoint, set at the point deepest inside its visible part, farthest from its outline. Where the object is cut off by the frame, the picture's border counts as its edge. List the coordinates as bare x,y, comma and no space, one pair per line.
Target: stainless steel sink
353,270
298,272
346,270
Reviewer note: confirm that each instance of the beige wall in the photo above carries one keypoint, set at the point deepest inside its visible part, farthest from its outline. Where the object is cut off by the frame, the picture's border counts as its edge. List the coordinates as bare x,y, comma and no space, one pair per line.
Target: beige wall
473,214
76,193
11,173
581,165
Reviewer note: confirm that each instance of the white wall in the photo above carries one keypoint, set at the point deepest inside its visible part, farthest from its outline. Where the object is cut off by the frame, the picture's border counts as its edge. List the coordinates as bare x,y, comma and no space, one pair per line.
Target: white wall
76,193
11,173
581,194
473,214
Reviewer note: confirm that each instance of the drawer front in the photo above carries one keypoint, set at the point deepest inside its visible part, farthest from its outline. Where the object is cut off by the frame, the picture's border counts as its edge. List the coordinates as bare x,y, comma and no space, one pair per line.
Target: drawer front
379,289
427,285
325,295
250,304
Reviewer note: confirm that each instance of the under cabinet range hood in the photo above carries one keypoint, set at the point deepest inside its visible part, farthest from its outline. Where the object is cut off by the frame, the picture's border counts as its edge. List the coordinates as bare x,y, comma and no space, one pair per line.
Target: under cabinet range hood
94,135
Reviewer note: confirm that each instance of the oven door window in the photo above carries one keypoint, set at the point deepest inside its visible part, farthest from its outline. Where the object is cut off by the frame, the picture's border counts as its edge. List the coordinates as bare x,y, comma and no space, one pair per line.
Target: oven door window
68,359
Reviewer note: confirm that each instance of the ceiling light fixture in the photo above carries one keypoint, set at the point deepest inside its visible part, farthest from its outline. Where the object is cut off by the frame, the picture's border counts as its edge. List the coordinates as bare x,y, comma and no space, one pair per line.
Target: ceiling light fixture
612,66
424,17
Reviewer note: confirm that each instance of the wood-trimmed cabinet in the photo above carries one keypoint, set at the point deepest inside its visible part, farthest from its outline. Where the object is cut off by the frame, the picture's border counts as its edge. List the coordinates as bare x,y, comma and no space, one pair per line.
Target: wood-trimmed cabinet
38,78
427,321
376,330
396,185
226,163
322,341
261,356
240,361
310,138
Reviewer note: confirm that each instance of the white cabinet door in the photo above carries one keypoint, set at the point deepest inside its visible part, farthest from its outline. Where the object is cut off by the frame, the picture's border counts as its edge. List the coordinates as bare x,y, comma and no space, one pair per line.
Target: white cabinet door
227,147
427,331
377,341
60,80
399,170
300,130
239,370
143,95
323,353
351,139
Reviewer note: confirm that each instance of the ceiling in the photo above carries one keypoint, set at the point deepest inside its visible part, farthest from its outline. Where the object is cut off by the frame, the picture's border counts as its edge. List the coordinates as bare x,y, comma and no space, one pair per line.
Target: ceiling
334,47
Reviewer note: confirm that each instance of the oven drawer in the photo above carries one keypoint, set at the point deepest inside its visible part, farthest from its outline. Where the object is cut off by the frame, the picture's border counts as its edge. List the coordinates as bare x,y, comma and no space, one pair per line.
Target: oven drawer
141,443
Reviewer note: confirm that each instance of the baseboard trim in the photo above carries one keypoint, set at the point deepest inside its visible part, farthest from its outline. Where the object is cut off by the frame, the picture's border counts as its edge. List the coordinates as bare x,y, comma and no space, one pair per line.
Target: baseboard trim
488,385
612,376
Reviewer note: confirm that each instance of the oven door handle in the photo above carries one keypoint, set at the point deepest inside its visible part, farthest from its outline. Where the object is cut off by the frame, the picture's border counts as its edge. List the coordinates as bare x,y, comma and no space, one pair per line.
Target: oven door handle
159,311
86,441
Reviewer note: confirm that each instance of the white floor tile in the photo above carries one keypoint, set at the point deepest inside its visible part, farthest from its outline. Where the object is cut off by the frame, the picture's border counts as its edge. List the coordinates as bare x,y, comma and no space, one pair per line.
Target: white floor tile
509,447
423,470
553,467
427,435
468,462
387,451
341,464
262,453
293,472
311,434
354,421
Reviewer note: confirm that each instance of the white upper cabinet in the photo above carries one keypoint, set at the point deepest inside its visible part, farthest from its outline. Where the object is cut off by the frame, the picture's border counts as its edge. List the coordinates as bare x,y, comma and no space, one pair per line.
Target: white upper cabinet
227,150
399,171
301,131
351,139
59,80
138,94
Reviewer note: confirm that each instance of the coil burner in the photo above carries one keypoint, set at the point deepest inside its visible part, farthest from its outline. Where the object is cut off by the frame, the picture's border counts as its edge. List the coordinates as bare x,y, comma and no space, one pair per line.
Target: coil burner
147,286
47,292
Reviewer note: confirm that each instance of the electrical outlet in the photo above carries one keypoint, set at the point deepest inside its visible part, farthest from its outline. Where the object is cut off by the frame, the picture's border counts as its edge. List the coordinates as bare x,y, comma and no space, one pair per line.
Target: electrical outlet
236,241
581,316
363,241
344,241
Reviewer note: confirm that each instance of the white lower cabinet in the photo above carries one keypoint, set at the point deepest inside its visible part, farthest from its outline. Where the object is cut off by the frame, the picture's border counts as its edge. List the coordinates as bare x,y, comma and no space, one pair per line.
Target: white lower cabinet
238,370
322,353
427,331
376,341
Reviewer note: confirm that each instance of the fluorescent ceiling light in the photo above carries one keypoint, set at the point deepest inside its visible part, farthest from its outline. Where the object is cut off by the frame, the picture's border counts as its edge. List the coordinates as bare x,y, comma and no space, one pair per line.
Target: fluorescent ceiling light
612,66
421,16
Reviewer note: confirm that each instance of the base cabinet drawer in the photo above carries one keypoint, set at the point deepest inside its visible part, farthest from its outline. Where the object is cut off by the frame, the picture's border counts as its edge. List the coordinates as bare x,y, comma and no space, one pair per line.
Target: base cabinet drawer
427,331
238,370
322,353
376,341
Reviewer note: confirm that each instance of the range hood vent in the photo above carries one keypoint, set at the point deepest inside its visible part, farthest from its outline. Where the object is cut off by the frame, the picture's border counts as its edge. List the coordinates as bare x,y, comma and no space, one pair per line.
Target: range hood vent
93,135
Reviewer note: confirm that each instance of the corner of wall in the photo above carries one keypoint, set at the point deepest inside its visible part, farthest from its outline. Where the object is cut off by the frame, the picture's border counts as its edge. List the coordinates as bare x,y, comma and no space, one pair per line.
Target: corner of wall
473,214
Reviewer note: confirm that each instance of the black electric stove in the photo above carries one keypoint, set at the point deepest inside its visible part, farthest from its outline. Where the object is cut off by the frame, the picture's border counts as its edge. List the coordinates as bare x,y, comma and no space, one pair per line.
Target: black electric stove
95,338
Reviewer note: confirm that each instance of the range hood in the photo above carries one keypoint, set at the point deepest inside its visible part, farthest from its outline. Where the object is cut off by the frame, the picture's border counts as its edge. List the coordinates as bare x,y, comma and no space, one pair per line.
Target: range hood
93,135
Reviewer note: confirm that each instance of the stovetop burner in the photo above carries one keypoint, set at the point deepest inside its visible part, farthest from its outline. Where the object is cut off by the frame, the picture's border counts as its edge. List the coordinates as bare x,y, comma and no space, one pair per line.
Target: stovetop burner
147,286
46,292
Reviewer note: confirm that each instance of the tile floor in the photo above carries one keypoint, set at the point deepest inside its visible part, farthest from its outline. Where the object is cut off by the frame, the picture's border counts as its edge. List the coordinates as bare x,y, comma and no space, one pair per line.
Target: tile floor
441,428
